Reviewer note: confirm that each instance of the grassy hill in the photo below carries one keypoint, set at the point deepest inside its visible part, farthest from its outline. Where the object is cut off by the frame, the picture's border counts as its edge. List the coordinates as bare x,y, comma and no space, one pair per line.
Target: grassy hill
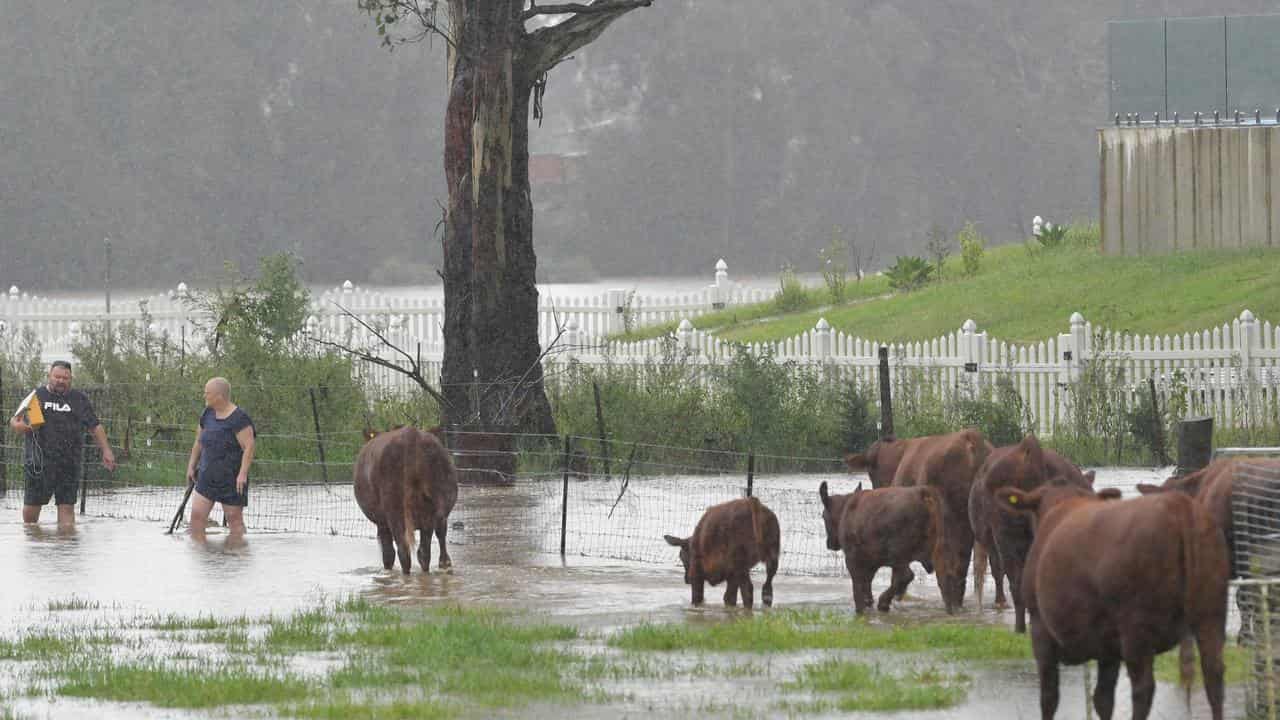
1023,296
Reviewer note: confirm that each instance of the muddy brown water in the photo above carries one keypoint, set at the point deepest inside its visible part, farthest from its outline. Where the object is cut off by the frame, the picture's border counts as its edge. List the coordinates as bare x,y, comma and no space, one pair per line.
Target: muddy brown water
126,568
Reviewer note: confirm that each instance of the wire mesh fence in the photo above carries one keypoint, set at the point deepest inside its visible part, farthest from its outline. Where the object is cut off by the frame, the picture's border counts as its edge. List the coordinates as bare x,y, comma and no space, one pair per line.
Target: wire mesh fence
1255,531
585,496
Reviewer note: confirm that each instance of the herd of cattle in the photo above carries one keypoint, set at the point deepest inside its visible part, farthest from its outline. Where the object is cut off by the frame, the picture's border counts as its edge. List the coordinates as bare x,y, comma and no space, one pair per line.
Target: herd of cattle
1102,578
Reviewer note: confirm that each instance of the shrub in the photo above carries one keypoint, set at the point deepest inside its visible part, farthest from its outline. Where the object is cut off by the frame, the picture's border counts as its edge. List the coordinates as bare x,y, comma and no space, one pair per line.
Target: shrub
791,295
859,424
835,267
972,247
1053,236
908,273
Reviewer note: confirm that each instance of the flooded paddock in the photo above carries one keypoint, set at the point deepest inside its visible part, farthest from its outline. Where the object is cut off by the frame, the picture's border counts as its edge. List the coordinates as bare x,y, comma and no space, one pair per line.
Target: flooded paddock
108,570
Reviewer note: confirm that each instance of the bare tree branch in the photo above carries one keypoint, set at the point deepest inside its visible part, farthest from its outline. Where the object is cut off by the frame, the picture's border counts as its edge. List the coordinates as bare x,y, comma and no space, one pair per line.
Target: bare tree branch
545,47
564,9
413,371
386,13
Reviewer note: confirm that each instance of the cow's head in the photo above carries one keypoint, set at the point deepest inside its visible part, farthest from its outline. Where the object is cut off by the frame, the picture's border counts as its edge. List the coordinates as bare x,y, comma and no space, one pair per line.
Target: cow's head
686,555
1037,502
833,508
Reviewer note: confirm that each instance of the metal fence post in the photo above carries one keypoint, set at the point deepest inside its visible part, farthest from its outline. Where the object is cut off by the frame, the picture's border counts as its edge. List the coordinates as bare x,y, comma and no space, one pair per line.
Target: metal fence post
564,497
751,472
315,417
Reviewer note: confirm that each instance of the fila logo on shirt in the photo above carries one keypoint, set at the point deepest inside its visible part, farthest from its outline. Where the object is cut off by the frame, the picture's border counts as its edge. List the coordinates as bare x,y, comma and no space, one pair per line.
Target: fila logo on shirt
57,407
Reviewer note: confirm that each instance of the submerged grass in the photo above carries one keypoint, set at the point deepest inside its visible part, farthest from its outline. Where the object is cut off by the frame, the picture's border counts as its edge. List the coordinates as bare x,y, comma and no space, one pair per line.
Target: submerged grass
347,709
159,684
73,603
866,687
792,630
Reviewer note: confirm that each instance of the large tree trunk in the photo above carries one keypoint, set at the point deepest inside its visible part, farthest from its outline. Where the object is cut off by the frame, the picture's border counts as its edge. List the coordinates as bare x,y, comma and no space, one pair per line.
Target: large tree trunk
492,376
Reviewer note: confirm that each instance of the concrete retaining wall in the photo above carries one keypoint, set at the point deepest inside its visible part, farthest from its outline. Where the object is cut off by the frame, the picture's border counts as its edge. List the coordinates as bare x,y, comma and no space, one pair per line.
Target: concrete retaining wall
1168,188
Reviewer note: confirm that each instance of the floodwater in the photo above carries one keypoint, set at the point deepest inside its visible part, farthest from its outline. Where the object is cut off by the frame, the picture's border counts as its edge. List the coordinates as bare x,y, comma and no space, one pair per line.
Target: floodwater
126,568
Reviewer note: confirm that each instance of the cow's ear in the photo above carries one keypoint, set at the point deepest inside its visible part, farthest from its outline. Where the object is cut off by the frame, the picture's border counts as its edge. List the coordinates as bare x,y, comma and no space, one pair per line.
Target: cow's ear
1110,494
822,493
857,462
1011,499
1147,489
673,540
1089,478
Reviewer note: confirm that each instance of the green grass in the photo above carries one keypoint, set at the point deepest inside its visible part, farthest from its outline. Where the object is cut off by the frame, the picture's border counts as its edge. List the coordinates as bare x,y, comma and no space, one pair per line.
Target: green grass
194,687
1021,297
1236,658
347,709
815,297
792,630
860,687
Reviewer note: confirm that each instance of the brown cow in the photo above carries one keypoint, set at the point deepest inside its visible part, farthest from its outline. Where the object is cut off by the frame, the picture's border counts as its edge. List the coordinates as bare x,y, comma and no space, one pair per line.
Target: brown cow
1002,538
729,540
1122,581
404,481
1213,486
885,527
947,463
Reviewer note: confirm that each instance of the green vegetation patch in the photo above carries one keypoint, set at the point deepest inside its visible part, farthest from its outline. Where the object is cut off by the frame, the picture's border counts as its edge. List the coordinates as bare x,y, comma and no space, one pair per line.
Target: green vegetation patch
792,630
864,687
1024,297
1237,659
156,682
347,709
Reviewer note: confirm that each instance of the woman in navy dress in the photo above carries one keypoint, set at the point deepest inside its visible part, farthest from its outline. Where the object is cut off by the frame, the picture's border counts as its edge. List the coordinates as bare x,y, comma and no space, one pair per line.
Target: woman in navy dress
220,459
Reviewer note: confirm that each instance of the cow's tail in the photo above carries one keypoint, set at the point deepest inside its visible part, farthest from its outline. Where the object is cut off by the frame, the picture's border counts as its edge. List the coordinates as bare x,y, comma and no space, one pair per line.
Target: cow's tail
979,571
414,484
766,533
937,537
1191,610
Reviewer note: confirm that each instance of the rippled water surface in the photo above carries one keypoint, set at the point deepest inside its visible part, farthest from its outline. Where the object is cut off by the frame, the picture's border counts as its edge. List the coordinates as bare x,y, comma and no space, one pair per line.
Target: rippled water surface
117,569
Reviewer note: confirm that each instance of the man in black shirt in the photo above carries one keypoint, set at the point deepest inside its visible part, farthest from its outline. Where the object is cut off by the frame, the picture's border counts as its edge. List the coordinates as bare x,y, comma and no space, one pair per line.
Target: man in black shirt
52,454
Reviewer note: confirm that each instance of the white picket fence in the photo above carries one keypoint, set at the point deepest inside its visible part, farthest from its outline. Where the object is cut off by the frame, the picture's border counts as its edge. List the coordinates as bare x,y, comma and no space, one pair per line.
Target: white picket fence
57,323
1231,371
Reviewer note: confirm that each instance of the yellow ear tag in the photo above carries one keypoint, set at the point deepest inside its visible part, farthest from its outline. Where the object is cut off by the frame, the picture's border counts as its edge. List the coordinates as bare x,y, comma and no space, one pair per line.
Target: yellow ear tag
1013,499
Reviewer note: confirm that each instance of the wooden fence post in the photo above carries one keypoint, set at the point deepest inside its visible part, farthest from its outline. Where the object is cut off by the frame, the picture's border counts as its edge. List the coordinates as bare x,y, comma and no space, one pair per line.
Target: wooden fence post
751,472
1195,444
886,395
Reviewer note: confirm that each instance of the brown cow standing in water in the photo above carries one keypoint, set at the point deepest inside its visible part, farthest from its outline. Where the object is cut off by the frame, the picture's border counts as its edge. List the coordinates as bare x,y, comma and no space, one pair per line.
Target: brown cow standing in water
1213,486
1002,538
1122,582
884,527
729,540
404,481
947,463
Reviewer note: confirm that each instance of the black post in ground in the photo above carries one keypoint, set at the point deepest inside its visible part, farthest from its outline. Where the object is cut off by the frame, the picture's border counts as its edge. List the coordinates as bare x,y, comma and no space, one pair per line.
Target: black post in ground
1157,425
315,417
886,399
83,472
564,497
4,470
604,438
1195,444
751,472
